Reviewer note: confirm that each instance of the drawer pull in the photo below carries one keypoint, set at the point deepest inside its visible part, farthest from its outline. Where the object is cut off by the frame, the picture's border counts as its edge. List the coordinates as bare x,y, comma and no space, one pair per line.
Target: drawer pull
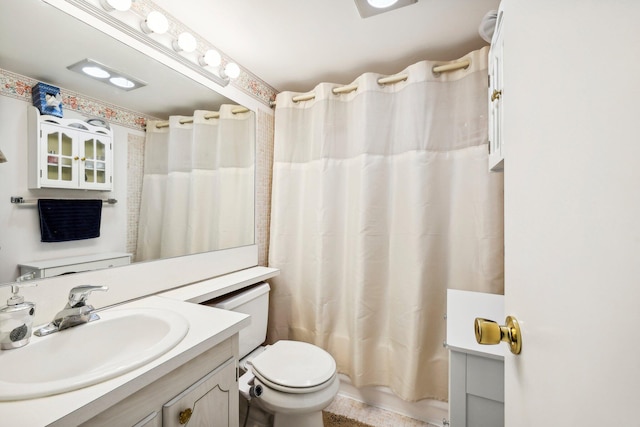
185,416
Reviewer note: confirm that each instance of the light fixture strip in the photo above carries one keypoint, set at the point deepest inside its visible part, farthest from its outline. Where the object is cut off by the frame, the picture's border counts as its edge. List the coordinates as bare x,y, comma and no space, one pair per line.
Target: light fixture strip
136,34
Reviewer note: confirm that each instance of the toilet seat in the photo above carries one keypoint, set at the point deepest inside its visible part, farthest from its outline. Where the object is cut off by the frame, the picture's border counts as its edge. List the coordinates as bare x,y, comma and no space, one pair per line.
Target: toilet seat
294,367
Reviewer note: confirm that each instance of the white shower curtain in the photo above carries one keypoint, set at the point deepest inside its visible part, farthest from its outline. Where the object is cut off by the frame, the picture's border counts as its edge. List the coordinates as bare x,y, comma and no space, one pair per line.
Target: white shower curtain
381,201
197,189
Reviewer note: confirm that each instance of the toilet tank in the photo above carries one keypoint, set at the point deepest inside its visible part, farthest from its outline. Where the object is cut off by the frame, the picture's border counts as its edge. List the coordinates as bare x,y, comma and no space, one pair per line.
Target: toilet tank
255,302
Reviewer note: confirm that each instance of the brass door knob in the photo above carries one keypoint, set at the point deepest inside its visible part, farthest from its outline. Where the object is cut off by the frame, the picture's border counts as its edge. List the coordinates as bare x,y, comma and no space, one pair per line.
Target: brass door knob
489,332
496,95
185,416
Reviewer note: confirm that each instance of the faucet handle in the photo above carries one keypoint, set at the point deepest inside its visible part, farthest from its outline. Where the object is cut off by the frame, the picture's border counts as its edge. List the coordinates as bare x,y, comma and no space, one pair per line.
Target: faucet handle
79,294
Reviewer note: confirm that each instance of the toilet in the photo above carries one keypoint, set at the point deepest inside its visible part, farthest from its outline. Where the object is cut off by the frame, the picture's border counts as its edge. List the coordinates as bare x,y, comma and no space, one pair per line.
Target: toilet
292,380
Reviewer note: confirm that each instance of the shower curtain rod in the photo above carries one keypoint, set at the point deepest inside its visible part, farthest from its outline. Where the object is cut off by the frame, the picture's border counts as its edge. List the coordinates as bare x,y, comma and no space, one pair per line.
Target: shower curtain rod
437,70
214,115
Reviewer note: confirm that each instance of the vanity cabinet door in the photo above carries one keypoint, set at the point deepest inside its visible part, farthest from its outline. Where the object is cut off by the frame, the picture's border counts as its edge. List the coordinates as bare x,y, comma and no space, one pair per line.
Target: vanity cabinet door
212,401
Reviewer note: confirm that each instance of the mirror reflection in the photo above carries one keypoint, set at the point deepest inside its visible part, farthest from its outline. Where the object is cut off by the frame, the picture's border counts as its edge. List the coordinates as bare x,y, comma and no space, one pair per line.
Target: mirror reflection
197,191
184,184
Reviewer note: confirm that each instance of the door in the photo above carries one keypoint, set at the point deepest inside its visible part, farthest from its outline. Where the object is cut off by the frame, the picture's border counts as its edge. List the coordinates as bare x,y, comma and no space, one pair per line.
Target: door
572,211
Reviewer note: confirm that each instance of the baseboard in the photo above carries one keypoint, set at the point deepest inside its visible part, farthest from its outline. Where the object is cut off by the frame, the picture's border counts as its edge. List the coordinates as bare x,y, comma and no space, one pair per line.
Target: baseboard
429,411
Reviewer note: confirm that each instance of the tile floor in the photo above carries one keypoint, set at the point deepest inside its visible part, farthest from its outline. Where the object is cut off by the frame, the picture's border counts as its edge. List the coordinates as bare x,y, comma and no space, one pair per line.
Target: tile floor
372,415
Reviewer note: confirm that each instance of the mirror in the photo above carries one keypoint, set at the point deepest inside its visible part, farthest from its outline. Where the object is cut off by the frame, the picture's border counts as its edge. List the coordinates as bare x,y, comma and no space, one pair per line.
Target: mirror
42,52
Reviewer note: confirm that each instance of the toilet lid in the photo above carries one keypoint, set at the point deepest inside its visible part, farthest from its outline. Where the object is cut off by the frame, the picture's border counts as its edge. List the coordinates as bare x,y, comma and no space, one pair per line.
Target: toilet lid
294,364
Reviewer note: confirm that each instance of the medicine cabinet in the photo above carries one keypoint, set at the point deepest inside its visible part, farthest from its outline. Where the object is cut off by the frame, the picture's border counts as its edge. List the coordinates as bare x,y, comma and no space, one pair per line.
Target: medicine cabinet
496,142
68,153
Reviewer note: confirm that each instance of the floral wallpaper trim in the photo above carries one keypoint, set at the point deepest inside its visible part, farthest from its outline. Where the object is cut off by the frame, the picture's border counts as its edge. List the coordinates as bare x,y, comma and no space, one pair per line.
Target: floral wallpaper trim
19,87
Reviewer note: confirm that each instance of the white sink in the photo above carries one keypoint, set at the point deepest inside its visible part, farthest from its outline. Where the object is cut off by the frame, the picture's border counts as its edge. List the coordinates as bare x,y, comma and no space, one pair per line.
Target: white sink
121,341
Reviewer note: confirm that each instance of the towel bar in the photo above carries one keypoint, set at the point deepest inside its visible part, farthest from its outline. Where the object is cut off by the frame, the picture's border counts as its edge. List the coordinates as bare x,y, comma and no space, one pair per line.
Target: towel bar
26,202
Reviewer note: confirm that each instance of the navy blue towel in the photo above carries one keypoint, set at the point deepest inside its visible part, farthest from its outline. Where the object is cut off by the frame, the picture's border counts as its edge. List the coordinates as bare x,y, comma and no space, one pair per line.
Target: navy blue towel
64,220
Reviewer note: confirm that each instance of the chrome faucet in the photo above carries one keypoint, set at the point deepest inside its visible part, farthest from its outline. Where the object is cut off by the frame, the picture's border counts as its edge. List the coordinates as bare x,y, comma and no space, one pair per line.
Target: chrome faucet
76,312
26,276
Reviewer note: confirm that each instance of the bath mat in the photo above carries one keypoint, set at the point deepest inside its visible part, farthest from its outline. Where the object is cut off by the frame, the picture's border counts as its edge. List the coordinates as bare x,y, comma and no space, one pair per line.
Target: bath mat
334,420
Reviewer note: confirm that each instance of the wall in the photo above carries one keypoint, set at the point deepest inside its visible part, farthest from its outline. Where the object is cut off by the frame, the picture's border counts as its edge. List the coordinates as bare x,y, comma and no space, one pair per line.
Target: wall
20,237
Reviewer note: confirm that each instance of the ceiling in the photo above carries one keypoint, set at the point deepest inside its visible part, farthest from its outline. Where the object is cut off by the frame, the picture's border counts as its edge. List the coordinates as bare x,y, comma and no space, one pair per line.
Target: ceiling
45,56
290,44
296,44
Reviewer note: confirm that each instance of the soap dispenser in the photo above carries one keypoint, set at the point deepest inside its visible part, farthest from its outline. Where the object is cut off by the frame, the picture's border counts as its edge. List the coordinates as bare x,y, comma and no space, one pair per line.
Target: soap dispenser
16,319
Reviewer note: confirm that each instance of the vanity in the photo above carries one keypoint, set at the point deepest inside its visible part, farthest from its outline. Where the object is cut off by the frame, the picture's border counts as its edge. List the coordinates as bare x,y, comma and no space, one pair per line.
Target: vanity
196,379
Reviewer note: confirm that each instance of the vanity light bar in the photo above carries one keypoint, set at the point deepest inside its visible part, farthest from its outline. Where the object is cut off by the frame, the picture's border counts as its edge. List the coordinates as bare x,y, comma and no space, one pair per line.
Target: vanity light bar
153,31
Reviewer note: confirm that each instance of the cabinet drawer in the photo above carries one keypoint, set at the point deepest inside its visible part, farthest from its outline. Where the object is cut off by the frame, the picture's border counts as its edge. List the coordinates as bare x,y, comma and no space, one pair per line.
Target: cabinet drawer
206,403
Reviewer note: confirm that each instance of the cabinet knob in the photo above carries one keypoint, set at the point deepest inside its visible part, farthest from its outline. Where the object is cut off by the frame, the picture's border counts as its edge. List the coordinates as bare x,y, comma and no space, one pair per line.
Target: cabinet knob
185,416
496,95
76,158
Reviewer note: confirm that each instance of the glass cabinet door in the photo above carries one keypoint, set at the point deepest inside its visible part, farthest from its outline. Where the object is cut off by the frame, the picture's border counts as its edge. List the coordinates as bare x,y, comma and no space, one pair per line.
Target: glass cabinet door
60,157
95,160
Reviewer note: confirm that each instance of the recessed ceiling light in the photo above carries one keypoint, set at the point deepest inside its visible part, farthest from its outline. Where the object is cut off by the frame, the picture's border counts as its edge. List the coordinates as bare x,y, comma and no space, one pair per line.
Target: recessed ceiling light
369,8
96,72
381,4
122,82
89,67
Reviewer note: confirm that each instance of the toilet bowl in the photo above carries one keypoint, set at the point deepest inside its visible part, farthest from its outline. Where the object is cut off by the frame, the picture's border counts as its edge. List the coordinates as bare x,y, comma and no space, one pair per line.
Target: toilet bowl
292,380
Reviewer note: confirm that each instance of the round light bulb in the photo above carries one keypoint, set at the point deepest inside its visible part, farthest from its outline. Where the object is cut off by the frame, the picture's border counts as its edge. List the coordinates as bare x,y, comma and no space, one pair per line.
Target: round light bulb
121,5
156,22
381,4
210,58
185,42
122,82
232,70
96,72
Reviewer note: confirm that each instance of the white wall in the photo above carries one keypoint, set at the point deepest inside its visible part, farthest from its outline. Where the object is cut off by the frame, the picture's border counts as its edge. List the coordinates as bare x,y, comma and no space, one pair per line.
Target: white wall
20,235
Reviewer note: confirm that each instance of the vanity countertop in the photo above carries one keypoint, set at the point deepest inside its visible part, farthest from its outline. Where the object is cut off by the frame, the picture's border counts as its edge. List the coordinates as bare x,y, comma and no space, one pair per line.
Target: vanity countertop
208,327
213,288
462,309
